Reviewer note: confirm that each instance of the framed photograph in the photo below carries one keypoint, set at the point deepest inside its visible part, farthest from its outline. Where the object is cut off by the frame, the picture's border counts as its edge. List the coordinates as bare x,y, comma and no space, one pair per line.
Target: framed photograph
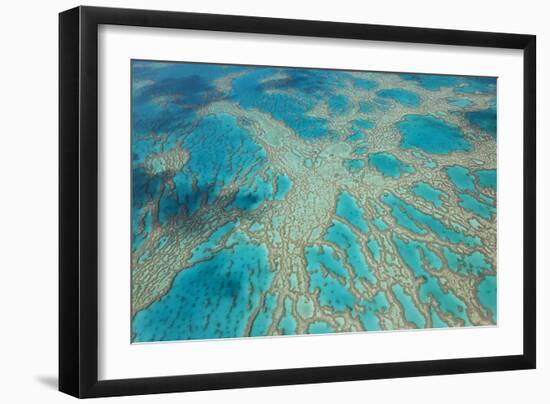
251,201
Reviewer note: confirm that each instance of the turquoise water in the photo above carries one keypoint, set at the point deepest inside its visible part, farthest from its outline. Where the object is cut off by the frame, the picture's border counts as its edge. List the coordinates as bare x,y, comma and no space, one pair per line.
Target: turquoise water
412,313
211,164
382,104
264,318
365,84
437,322
162,242
342,236
460,84
477,85
461,178
325,256
374,248
273,201
348,208
430,194
432,135
251,197
460,102
417,221
338,104
487,295
205,250
357,136
487,178
354,165
140,237
288,323
256,227
361,150
389,165
433,82
325,270
486,120
380,224
367,107
249,91
471,204
404,97
475,263
448,302
319,327
284,184
486,199
205,301
368,318
464,181
293,280
362,124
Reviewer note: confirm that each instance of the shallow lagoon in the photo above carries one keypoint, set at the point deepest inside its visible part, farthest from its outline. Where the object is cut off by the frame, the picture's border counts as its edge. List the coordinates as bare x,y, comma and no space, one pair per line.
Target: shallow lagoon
432,135
485,119
430,194
404,97
389,165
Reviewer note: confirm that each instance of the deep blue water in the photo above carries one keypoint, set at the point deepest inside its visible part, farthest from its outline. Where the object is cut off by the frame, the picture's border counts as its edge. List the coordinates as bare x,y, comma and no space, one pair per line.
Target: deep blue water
211,165
250,91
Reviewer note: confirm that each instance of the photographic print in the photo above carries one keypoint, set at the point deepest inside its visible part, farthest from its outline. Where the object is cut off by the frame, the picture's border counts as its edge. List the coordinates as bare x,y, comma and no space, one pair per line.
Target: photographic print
270,201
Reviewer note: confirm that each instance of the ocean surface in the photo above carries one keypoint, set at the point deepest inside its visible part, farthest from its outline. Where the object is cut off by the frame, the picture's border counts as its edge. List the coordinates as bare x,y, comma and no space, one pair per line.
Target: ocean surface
281,201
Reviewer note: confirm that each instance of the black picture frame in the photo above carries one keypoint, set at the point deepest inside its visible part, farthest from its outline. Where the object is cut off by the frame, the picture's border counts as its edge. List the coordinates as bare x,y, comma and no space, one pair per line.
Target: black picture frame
78,201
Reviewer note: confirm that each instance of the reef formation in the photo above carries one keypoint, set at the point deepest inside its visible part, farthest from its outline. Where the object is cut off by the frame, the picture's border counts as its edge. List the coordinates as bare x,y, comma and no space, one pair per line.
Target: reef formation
281,201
